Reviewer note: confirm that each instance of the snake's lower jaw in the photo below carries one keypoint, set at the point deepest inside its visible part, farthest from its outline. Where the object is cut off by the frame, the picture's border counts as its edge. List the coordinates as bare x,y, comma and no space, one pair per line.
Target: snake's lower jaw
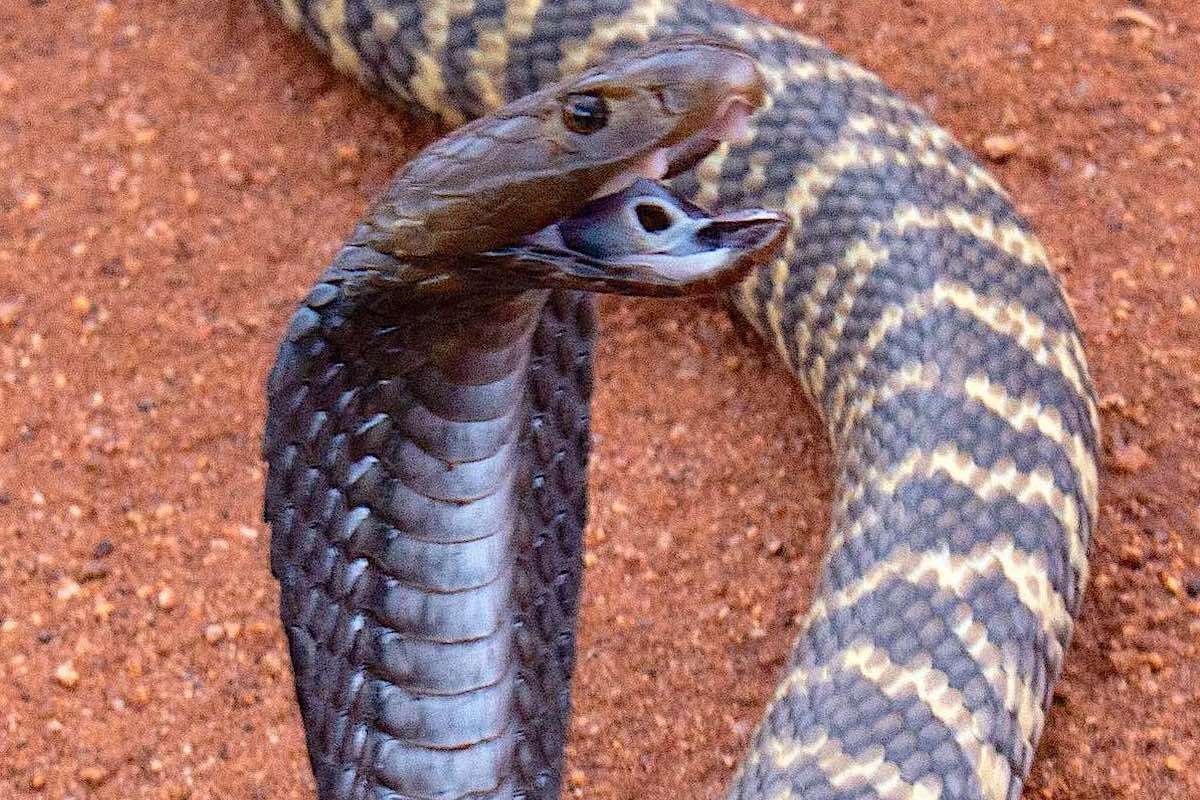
644,241
733,244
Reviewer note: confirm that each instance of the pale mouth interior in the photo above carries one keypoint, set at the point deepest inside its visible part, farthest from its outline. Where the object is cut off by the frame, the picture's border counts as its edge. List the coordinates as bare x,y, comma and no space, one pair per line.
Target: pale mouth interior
725,235
648,232
731,124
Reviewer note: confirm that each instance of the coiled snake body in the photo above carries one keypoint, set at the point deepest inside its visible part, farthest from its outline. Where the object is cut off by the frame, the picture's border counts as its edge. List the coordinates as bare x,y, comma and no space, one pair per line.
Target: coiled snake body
915,307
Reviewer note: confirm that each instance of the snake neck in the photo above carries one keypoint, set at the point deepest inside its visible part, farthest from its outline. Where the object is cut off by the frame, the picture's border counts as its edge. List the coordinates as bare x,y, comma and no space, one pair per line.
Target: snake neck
403,509
455,365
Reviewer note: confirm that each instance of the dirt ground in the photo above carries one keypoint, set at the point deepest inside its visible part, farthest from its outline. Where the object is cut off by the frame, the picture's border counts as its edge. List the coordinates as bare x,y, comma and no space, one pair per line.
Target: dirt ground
175,174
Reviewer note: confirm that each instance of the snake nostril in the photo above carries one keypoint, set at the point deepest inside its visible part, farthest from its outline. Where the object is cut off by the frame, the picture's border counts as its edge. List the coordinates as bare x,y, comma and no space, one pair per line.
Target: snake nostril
709,236
653,218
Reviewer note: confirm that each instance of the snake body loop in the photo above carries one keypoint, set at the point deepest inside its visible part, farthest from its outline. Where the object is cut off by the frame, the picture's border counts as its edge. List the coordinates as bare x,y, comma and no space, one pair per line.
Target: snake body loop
917,310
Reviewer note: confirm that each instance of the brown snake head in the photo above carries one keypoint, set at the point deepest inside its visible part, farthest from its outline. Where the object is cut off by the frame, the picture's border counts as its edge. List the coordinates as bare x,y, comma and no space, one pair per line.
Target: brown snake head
494,184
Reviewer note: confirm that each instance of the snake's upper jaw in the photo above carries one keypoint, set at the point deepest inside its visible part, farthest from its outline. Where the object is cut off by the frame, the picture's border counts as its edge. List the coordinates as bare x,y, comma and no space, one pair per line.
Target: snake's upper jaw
646,241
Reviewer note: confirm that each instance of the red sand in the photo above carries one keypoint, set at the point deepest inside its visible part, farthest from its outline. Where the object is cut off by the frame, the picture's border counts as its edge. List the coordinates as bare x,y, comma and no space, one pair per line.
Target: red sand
177,173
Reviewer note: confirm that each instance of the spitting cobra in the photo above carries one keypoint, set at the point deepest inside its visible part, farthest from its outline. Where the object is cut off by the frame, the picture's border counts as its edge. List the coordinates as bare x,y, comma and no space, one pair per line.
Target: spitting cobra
428,430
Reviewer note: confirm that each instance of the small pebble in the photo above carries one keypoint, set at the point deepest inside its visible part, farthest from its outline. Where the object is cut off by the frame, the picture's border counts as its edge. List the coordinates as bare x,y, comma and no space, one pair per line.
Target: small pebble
102,609
8,313
37,781
1136,16
1173,585
93,571
577,778
272,663
260,629
140,696
1001,147
214,633
1131,556
93,776
166,598
66,675
81,305
103,549
1130,459
176,791
229,172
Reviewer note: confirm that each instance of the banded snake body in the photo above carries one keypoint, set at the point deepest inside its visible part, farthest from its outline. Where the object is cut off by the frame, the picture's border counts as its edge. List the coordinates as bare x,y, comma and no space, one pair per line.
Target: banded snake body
427,460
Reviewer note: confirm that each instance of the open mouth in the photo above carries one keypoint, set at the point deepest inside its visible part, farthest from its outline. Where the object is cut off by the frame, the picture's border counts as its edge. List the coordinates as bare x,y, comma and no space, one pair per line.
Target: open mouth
635,236
646,225
645,240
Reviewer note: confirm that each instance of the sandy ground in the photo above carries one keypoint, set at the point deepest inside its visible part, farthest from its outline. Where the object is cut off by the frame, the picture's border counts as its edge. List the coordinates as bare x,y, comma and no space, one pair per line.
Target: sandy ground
175,174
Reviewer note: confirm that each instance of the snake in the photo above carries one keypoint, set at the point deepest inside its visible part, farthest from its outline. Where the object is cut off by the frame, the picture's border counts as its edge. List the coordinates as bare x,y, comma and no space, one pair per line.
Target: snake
428,430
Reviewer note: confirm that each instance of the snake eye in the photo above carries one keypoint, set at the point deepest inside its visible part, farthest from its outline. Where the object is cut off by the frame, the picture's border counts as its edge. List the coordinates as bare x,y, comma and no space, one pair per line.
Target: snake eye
585,113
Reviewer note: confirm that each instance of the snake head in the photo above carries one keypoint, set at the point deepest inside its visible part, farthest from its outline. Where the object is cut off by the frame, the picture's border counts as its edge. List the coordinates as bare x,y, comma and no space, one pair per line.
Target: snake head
539,159
643,240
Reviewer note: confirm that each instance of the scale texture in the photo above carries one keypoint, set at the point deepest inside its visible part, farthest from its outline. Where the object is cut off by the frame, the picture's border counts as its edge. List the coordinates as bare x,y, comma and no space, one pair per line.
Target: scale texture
432,654
916,309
